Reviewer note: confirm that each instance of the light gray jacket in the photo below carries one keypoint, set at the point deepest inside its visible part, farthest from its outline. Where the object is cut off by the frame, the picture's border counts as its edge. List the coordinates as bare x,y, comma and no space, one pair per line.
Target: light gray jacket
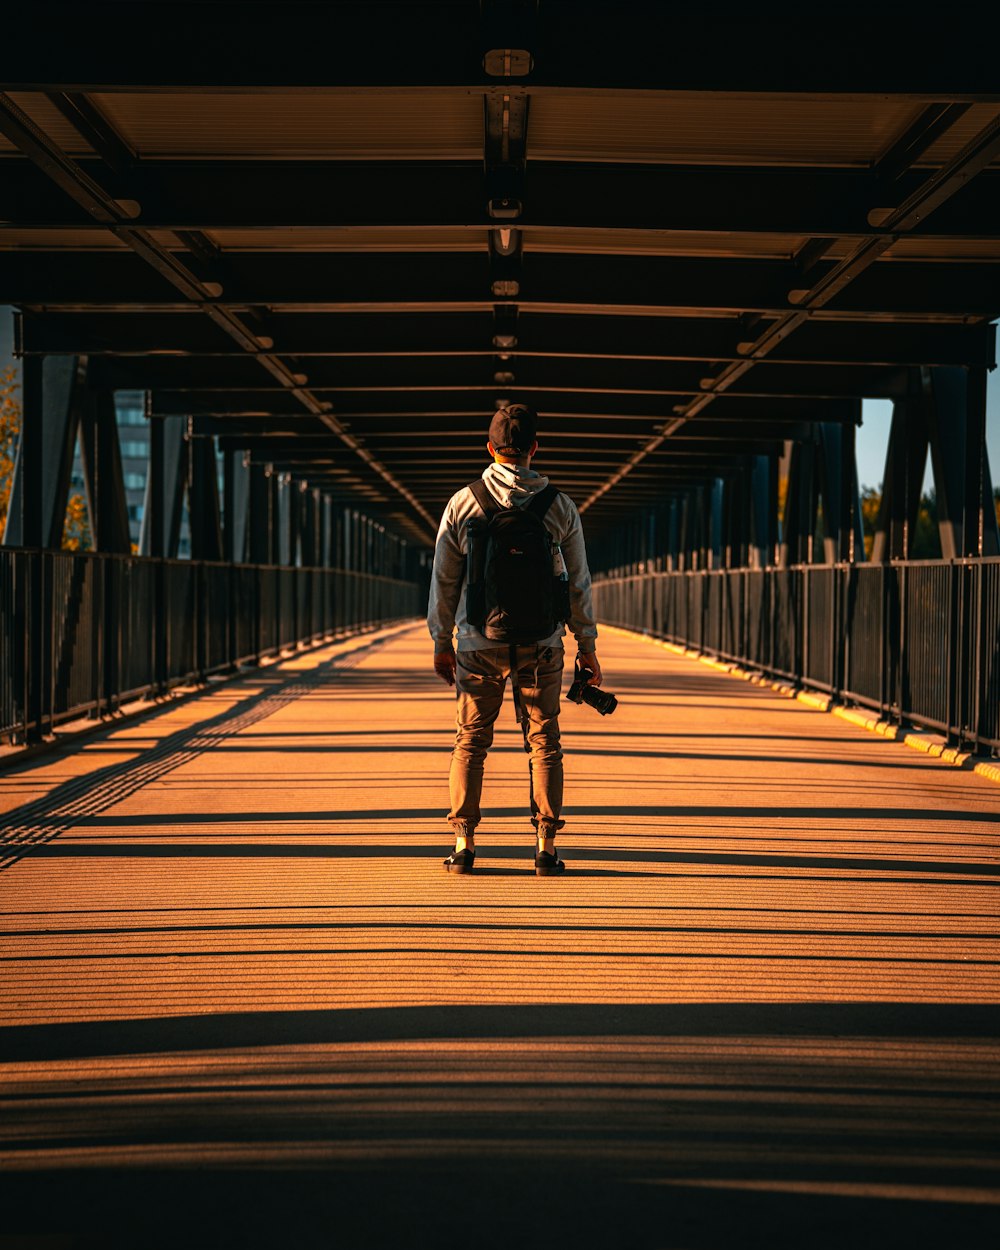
512,487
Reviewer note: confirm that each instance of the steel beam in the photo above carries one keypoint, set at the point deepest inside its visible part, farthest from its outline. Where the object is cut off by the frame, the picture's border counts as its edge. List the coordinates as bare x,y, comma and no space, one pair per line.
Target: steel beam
838,487
399,46
348,339
799,523
53,398
638,284
906,456
472,408
204,513
955,413
763,487
696,207
263,527
165,481
107,505
236,506
339,381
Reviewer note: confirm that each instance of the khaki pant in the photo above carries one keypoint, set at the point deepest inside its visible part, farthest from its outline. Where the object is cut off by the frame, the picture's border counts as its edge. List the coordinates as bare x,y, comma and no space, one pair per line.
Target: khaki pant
481,678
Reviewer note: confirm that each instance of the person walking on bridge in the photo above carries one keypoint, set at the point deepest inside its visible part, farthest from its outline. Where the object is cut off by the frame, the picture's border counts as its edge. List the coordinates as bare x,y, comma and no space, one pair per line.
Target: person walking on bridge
510,570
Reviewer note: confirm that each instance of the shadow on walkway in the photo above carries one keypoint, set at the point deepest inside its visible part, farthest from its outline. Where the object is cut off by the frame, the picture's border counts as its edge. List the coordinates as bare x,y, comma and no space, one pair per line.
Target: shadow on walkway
248,1008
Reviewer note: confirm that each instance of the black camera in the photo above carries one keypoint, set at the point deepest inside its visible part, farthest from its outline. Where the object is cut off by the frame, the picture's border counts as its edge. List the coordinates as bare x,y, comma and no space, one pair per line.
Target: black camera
580,692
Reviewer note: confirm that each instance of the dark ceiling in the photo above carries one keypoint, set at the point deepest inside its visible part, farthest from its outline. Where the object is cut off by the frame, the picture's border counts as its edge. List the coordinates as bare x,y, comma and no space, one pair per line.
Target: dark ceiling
337,235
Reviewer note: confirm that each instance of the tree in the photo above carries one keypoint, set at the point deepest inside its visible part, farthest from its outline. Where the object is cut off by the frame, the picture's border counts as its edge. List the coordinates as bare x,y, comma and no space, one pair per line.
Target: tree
871,501
76,526
926,540
10,428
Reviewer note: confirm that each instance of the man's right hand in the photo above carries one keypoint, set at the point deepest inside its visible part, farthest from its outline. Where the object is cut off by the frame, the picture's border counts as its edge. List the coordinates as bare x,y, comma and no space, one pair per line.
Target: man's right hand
444,666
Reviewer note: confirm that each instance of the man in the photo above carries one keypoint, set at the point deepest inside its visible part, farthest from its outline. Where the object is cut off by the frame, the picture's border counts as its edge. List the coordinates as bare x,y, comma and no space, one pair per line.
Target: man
481,667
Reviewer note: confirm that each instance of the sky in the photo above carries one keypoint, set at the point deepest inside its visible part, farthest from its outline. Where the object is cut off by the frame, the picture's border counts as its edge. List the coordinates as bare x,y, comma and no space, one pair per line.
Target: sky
873,436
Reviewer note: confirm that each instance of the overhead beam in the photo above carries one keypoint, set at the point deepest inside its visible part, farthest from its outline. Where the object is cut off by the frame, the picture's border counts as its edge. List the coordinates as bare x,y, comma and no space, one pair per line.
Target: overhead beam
238,432
684,203
397,46
374,337
342,380
465,405
321,281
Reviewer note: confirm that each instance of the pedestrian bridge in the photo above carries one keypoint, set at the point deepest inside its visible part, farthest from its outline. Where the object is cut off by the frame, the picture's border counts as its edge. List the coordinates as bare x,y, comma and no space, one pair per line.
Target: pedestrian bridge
317,246
237,979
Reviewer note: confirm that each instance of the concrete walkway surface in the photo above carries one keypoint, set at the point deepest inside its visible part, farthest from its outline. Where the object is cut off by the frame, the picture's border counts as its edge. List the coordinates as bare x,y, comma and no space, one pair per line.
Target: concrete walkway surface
244,1004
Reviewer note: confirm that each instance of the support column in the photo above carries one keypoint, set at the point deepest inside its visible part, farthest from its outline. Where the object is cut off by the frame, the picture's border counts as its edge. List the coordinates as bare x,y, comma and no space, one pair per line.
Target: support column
956,426
673,536
800,507
905,458
838,488
328,532
309,534
53,394
164,500
203,500
100,452
236,507
736,519
261,521
763,511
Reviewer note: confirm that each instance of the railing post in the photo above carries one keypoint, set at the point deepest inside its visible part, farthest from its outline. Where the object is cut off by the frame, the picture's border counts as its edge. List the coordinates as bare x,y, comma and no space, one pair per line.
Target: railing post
977,628
22,570
955,628
99,693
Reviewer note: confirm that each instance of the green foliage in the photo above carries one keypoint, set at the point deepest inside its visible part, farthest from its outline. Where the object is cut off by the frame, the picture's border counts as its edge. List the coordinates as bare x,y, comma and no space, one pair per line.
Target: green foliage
926,537
871,501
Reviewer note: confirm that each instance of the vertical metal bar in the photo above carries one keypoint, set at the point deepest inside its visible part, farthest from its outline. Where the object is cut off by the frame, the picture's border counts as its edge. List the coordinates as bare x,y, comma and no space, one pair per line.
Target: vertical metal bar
22,576
100,684
47,675
902,673
804,632
978,572
257,574
886,639
954,650
975,463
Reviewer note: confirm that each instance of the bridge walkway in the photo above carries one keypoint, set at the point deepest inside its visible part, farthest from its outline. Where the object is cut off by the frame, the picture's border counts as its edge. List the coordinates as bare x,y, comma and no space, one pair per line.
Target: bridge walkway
241,994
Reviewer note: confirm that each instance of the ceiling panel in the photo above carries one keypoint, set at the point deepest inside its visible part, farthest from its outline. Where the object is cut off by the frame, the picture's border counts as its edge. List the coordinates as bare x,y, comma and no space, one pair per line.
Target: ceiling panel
290,126
715,129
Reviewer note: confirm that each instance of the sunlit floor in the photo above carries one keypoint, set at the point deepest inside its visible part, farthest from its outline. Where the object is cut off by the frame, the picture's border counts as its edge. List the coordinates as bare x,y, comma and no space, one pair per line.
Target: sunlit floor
761,1007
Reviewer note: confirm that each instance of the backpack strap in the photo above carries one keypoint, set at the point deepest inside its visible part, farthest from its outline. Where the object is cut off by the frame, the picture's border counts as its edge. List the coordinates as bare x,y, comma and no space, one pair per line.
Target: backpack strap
484,498
543,501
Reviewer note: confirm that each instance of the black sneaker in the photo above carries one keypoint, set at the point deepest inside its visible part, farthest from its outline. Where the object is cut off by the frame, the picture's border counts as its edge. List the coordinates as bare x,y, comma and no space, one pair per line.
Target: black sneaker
547,865
461,861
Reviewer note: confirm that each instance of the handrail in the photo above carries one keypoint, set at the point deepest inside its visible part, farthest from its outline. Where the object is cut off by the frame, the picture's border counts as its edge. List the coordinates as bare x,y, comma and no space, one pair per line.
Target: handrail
918,640
82,632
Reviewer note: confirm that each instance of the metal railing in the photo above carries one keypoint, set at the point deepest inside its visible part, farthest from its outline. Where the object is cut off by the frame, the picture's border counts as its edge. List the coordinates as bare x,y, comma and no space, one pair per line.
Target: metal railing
84,633
917,640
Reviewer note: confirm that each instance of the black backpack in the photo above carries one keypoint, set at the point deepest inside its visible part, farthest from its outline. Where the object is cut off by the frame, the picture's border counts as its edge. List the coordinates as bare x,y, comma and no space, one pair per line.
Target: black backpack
513,594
